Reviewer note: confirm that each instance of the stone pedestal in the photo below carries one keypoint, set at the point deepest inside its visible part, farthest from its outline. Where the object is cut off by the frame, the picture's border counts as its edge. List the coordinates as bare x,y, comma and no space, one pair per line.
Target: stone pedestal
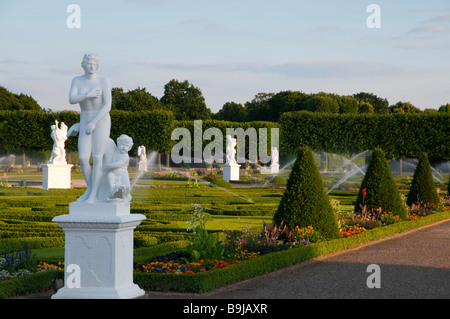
274,168
142,165
56,175
99,242
231,172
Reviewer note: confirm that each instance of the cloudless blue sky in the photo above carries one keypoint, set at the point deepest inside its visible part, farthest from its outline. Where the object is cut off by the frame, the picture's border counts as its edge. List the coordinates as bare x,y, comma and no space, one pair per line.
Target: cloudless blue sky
231,49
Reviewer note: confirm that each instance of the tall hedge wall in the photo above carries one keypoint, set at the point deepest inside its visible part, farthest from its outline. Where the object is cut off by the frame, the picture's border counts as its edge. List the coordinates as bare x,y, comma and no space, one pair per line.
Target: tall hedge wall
398,135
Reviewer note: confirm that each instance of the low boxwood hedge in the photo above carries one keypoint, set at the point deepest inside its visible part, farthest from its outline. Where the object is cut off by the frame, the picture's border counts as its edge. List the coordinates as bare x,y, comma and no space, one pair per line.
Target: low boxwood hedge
35,282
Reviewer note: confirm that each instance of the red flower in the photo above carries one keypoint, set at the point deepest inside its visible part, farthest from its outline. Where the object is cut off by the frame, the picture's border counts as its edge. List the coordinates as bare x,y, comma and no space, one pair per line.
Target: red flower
364,191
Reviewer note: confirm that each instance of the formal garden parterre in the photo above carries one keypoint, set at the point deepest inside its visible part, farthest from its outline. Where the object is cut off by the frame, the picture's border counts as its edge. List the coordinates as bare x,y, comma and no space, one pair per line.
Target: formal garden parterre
192,241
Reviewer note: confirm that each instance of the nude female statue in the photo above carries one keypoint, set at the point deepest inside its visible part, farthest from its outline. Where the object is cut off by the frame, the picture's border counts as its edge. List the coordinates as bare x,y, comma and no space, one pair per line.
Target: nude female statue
93,93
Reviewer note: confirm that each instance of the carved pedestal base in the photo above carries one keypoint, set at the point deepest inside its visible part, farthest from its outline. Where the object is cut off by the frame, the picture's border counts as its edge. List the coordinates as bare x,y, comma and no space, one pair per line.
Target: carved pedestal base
231,172
99,243
56,175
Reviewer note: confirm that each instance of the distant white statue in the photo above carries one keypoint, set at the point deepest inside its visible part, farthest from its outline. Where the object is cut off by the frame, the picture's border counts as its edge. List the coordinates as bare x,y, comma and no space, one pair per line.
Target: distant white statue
231,150
116,171
142,153
59,136
93,93
275,156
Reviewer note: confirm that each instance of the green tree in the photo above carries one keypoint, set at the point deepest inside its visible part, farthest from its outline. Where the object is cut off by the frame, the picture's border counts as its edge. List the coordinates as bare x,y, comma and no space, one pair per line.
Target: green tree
322,103
366,107
259,108
304,202
379,104
378,188
231,111
404,107
347,105
445,108
136,100
12,101
185,100
423,189
285,101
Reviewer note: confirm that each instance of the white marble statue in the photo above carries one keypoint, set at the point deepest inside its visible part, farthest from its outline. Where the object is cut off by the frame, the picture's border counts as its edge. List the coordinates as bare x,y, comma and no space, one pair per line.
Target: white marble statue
142,153
93,93
59,136
275,156
231,150
116,170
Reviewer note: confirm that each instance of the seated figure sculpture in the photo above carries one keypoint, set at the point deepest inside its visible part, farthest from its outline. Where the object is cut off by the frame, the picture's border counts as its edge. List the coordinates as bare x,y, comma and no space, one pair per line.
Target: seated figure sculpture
116,171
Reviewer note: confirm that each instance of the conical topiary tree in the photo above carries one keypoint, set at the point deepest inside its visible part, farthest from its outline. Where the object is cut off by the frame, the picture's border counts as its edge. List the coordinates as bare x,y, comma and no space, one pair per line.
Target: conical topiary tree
448,188
304,202
422,190
378,188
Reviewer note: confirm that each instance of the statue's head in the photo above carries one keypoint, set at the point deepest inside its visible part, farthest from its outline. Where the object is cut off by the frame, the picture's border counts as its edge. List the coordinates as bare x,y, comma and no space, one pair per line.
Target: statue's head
124,143
90,62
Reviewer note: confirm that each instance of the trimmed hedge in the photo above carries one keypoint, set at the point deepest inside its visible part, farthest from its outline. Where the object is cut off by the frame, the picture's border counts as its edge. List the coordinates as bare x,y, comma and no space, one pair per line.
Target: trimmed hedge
399,135
35,282
423,189
380,188
14,244
304,202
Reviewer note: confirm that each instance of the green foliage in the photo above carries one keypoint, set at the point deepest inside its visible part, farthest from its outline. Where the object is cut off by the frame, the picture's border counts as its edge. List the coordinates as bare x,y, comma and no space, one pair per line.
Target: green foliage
444,108
378,188
279,180
398,135
218,181
143,240
304,202
231,111
379,105
185,100
404,107
136,100
203,245
422,190
35,282
323,103
12,101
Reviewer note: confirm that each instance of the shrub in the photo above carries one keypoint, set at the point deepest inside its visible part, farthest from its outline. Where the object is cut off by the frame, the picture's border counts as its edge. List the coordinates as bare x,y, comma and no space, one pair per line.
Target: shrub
422,190
304,202
144,240
279,180
378,189
218,181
